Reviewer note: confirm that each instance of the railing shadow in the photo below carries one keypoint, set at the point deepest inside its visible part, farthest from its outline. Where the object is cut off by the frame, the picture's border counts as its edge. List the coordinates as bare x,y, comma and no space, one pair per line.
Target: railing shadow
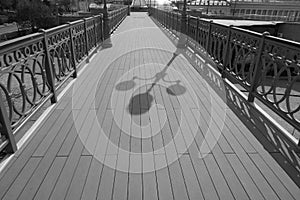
274,142
281,149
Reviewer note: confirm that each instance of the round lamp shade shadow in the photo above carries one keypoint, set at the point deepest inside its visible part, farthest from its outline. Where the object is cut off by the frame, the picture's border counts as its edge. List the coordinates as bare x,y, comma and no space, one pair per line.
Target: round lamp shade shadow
140,103
176,89
125,85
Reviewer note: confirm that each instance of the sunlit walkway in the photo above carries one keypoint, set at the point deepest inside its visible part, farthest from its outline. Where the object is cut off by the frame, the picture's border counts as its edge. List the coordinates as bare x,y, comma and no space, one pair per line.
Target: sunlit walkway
140,122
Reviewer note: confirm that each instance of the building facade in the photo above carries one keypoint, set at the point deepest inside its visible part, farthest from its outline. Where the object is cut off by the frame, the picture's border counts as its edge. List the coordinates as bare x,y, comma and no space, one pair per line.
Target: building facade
250,9
266,9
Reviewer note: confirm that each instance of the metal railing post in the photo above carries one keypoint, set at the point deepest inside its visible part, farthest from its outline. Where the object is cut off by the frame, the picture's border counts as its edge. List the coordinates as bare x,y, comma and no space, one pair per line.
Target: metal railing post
49,69
86,39
208,37
73,59
257,68
95,31
6,128
226,53
196,32
188,25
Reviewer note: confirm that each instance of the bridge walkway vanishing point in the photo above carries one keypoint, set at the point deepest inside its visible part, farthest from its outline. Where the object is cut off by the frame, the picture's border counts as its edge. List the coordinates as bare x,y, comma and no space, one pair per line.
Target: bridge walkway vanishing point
187,139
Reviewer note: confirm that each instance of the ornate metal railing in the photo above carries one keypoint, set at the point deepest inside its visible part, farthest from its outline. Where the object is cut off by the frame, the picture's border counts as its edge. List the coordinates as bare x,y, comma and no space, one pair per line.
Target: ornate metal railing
267,67
116,17
34,67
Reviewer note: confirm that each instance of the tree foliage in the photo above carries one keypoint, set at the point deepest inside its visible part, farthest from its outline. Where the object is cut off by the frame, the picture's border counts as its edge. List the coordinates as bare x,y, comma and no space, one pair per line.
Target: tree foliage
5,4
65,5
38,14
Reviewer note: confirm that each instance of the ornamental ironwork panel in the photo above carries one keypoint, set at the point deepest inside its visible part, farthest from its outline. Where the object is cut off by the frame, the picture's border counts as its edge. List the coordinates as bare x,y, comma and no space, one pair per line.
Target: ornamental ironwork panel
78,33
242,55
218,42
279,84
202,32
23,81
59,48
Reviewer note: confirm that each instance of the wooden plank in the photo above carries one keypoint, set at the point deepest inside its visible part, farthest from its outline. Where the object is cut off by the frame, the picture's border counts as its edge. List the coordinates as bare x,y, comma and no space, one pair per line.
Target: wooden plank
20,182
150,186
66,147
92,139
232,180
176,176
90,189
272,179
135,185
121,178
244,177
135,182
190,178
164,186
62,185
46,162
49,181
218,179
120,188
65,178
206,112
257,177
196,77
79,178
63,103
17,166
106,183
206,184
177,180
149,175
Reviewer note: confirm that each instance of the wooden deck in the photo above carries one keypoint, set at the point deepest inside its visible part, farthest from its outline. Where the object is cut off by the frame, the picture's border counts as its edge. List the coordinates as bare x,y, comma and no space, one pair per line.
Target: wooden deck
142,96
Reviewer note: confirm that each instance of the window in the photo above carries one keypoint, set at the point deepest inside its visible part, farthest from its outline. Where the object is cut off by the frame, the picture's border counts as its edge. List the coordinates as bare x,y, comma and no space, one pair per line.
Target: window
269,12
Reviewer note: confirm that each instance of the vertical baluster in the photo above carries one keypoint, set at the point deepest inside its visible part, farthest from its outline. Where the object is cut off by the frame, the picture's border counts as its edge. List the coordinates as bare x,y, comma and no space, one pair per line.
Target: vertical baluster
196,32
208,37
166,19
6,128
86,39
101,29
95,31
73,59
257,68
48,68
188,25
173,22
227,52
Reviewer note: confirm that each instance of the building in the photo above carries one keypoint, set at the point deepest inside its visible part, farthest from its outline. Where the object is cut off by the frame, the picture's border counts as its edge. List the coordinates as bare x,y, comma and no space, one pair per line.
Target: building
266,9
279,10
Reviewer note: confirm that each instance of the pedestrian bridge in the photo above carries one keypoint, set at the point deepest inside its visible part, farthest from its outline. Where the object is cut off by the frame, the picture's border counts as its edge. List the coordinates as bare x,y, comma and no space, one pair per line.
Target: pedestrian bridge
151,115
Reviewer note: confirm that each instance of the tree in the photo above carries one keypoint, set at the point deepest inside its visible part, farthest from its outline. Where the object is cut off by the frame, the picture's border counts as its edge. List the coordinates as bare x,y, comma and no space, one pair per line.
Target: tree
5,4
36,13
66,4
